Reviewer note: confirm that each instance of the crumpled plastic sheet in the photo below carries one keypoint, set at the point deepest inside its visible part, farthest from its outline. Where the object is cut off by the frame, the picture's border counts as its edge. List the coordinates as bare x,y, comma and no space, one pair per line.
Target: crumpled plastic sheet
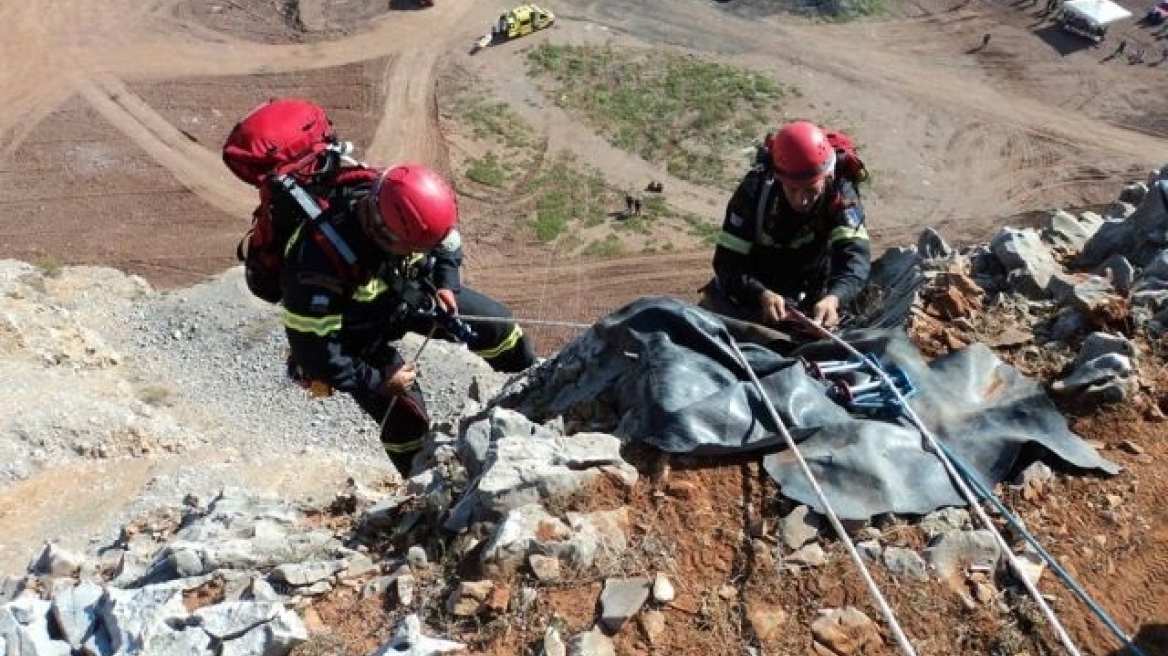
668,373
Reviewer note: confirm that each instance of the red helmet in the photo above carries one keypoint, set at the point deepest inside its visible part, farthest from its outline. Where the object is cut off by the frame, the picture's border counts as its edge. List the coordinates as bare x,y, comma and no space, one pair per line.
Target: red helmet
415,204
801,153
283,135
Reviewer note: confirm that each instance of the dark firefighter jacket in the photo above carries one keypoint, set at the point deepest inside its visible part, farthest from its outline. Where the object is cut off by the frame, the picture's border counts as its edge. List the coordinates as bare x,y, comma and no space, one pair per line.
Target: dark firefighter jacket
765,244
333,315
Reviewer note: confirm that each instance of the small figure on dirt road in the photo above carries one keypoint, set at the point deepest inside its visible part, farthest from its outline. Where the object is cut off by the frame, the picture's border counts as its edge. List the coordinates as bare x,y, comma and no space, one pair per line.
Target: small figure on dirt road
636,206
1120,48
794,229
629,204
985,40
381,258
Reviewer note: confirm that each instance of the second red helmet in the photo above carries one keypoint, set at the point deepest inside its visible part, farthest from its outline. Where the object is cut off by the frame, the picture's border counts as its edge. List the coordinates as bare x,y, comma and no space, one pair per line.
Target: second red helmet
801,153
416,204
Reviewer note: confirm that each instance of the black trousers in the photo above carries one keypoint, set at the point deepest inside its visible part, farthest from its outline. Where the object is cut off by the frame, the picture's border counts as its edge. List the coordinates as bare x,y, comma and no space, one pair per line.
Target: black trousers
403,419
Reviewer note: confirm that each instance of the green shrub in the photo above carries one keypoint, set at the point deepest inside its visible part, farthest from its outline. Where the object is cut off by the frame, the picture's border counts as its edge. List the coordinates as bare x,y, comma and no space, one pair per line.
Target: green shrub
692,116
487,170
49,266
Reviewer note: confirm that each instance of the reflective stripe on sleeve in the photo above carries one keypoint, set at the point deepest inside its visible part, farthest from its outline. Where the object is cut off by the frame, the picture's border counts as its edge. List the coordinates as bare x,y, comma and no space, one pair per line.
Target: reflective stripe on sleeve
734,243
322,326
845,233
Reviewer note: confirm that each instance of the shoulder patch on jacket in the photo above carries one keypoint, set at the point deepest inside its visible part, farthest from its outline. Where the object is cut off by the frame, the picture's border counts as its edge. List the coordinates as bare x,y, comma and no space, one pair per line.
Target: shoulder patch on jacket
853,216
736,220
452,242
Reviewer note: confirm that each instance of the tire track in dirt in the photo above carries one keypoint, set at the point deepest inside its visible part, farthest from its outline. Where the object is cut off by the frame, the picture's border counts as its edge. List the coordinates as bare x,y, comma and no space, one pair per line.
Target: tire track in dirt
37,76
187,55
409,128
140,38
582,291
195,167
566,283
1132,605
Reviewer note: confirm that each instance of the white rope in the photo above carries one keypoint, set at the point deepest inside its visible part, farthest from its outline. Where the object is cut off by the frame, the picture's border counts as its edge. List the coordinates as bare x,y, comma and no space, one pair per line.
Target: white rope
959,481
881,602
524,322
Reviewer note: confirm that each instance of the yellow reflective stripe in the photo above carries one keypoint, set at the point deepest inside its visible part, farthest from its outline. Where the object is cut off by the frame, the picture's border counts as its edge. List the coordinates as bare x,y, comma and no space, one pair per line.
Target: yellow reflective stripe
323,326
844,233
504,346
370,290
402,447
734,243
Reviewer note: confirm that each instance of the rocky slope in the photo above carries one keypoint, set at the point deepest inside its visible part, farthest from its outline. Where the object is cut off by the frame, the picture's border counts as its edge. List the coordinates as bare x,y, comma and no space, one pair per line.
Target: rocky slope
166,490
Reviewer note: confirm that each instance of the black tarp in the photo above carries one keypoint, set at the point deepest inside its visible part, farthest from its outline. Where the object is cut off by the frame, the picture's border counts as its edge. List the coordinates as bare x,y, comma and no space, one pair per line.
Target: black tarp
665,373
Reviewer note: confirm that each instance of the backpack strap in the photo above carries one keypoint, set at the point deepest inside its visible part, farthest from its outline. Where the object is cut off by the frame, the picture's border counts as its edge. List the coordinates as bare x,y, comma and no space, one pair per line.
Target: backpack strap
332,249
764,198
314,215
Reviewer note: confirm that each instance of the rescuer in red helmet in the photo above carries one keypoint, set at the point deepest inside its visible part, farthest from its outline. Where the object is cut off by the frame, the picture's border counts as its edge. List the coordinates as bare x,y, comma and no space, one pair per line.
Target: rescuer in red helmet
358,256
341,319
794,232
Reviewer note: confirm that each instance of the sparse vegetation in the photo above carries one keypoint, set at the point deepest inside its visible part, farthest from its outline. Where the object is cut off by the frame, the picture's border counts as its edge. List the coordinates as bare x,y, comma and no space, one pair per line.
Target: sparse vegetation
49,266
703,229
509,136
156,395
842,11
492,119
610,246
568,193
487,170
567,202
692,116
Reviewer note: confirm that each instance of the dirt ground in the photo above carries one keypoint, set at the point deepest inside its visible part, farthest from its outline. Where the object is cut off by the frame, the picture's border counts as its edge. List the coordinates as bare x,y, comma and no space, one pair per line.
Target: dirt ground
114,113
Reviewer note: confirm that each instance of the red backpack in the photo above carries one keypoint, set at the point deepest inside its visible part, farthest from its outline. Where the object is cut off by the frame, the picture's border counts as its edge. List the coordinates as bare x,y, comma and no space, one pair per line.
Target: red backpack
287,149
848,164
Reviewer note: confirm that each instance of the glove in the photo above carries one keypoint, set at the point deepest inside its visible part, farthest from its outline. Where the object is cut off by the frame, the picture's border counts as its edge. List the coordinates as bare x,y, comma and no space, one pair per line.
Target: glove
399,379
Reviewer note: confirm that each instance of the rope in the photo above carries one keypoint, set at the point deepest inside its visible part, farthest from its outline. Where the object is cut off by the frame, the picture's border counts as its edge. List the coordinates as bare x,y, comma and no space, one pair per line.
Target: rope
881,602
1069,580
533,322
958,480
417,356
949,459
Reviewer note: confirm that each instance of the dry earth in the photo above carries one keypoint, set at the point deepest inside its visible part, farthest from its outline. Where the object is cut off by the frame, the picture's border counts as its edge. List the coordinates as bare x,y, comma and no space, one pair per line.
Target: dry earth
114,112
